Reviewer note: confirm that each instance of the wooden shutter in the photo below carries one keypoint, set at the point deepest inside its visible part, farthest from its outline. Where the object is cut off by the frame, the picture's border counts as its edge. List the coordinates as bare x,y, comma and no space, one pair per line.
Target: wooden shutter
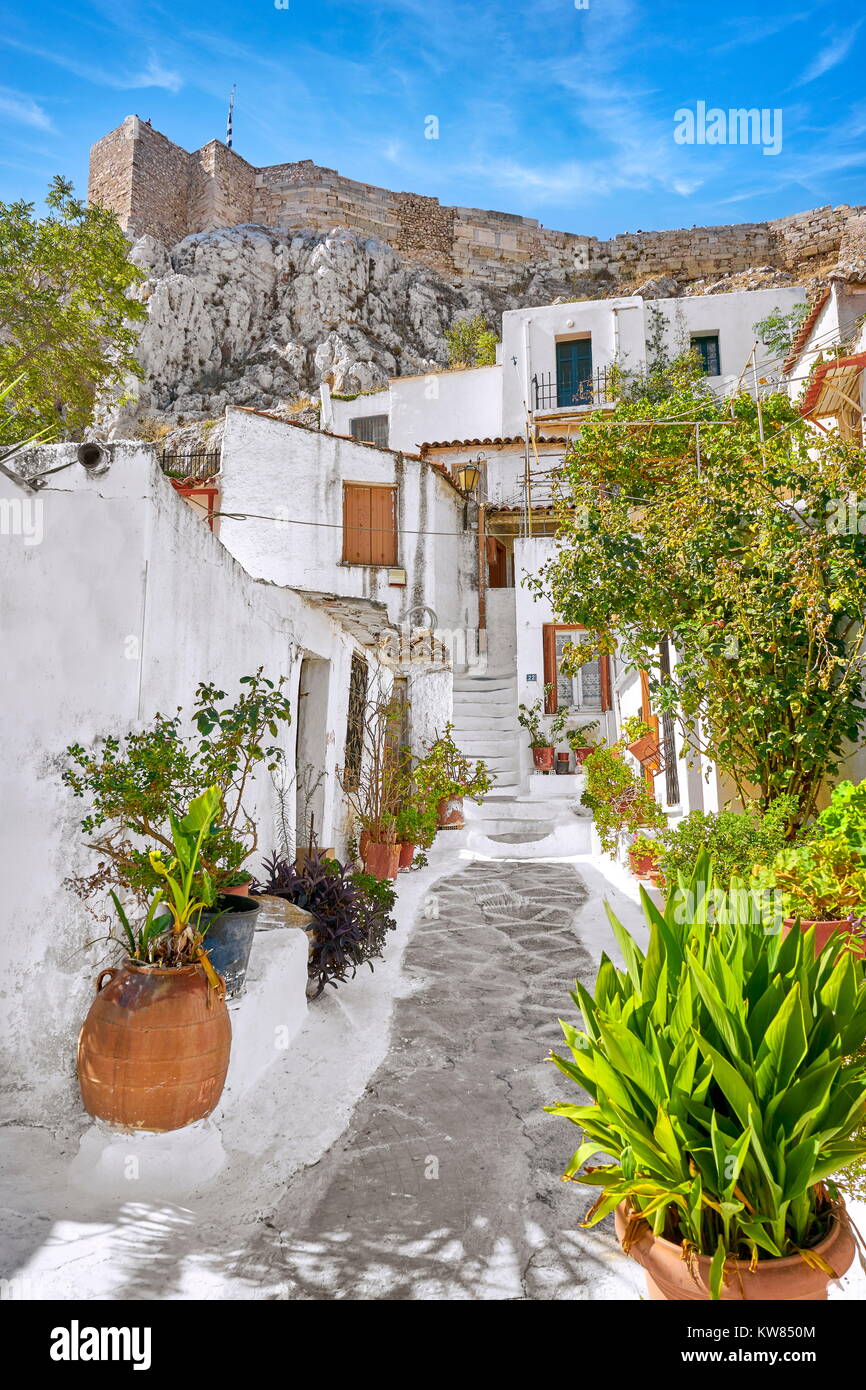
369,524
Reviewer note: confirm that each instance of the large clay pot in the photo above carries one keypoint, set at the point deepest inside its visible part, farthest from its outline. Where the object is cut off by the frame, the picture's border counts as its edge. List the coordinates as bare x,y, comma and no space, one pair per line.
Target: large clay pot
789,1280
382,860
228,939
824,931
154,1049
450,813
543,758
407,855
581,754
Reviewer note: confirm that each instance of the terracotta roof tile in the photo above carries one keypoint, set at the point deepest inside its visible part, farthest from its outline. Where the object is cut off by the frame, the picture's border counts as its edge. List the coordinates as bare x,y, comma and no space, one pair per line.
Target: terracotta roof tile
804,330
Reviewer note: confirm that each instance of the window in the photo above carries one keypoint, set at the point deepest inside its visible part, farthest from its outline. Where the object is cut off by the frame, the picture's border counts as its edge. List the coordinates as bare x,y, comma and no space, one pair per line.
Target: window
574,372
370,429
589,688
706,345
355,725
369,524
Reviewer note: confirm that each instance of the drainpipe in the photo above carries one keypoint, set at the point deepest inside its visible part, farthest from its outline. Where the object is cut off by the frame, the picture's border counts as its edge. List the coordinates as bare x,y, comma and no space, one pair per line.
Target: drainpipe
482,567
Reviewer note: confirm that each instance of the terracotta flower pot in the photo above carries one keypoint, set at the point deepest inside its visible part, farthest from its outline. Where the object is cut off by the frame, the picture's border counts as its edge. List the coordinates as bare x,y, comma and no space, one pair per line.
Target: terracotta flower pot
407,855
789,1280
154,1049
645,749
364,843
543,758
563,761
238,890
642,865
382,861
581,754
450,813
824,931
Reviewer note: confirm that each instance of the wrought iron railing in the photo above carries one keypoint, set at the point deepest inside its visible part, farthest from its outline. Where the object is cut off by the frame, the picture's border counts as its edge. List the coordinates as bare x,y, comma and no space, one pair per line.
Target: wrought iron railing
201,463
597,389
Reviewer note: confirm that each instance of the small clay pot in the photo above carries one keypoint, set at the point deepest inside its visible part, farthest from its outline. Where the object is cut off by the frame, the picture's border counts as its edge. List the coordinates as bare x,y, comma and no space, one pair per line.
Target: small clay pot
670,1279
562,764
238,890
825,930
543,758
407,855
642,865
581,754
450,813
382,861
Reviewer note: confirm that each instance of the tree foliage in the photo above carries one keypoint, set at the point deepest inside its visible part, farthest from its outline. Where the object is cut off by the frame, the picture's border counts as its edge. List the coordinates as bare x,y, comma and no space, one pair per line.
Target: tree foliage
66,310
471,343
747,555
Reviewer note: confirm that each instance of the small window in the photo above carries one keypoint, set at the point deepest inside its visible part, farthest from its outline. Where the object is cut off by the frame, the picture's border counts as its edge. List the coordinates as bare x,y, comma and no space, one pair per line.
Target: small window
354,753
588,689
706,345
370,429
369,524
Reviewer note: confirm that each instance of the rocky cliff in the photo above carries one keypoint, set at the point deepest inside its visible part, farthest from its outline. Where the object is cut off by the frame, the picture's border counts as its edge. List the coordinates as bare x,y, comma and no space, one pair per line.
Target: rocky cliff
260,316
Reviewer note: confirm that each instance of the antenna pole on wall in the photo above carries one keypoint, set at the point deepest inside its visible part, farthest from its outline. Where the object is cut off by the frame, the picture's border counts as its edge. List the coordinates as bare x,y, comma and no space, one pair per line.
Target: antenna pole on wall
231,116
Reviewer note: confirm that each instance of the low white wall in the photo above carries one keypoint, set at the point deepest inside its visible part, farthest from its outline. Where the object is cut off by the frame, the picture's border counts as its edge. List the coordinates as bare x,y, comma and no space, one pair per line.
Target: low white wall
123,606
465,403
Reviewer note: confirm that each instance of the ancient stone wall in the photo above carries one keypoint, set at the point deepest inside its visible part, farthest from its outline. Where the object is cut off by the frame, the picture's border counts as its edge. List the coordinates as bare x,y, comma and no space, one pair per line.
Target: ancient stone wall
156,187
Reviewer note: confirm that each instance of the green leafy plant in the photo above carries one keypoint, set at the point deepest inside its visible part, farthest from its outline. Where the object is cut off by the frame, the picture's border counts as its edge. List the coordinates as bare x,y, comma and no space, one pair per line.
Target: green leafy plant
644,847
416,825
722,1083
134,785
578,737
170,934
618,797
778,330
738,841
471,343
444,772
824,878
529,718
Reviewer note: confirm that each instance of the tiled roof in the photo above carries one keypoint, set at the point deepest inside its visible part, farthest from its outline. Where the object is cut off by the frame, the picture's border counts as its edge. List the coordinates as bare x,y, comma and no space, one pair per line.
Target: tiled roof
845,366
496,443
804,330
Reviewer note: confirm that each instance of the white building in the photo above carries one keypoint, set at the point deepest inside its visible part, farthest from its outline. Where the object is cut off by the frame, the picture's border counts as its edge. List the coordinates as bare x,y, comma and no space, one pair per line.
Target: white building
515,420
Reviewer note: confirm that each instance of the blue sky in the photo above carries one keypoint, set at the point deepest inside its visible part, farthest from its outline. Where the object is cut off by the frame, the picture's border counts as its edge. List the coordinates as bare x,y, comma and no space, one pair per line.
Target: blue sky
544,109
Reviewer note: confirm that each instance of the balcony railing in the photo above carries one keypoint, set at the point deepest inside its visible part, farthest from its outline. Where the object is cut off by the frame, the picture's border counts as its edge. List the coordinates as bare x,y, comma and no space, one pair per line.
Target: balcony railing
596,390
202,463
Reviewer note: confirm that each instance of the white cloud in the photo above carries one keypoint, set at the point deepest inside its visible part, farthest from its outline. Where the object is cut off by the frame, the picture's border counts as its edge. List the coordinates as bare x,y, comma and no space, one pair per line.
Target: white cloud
15,106
152,75
834,53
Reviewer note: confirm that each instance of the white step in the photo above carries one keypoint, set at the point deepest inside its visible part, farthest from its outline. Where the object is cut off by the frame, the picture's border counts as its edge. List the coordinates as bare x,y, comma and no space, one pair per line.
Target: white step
462,684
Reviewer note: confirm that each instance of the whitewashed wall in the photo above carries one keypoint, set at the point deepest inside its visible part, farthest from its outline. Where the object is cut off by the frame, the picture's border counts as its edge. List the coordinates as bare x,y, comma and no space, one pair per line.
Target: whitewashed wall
272,469
126,602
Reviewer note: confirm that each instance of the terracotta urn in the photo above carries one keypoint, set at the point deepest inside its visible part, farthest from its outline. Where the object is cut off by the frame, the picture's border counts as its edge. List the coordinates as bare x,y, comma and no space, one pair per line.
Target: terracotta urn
543,758
671,1279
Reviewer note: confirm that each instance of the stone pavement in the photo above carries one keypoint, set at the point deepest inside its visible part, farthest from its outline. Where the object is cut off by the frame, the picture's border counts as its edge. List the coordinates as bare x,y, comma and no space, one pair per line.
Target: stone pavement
447,1183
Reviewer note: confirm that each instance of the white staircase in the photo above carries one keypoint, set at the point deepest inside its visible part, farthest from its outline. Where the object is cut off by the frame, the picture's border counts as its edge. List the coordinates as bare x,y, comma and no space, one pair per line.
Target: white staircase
512,821
485,726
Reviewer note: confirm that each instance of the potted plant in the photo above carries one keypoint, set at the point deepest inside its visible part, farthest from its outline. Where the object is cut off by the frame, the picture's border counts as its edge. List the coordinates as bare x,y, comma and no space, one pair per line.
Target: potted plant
154,1049
352,914
579,743
618,797
643,857
375,791
416,829
821,882
135,784
444,776
723,1093
529,718
640,739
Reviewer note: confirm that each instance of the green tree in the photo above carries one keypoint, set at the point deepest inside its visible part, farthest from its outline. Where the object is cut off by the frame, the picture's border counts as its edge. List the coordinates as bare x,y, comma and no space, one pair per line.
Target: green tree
748,555
471,343
68,318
